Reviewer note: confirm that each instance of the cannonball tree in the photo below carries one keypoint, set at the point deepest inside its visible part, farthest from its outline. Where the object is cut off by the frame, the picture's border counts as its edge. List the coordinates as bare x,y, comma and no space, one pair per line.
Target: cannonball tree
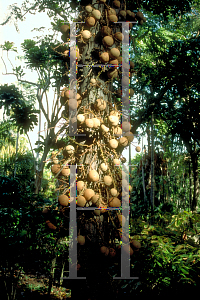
97,115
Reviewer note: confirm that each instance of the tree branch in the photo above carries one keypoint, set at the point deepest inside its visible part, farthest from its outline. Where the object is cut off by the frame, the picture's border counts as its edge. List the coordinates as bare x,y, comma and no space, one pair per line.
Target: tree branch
152,104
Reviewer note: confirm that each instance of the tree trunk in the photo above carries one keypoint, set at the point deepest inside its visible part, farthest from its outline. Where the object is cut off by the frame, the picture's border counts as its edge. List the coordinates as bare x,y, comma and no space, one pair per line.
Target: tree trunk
17,146
194,158
152,168
40,167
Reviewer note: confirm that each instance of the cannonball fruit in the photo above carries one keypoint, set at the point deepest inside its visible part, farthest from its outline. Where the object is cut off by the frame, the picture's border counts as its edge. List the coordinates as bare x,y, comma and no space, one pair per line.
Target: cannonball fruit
119,36
105,31
88,8
96,123
114,202
112,252
114,192
112,73
107,180
112,18
104,250
90,21
81,239
63,200
113,143
138,149
95,199
116,161
93,176
111,11
108,41
80,185
104,167
89,123
104,57
55,168
136,245
50,225
69,150
81,201
96,14
114,53
88,194
86,34
123,141
100,104
65,171
126,126
128,249
116,3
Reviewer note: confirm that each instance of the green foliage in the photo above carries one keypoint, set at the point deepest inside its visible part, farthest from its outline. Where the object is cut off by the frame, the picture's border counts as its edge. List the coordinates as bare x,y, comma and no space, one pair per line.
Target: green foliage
25,117
8,46
165,257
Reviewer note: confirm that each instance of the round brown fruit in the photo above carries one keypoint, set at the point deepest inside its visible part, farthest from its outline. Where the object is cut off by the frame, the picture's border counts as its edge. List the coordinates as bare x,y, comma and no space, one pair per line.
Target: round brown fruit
129,135
81,201
104,250
112,252
106,31
104,167
88,194
55,168
68,150
108,41
114,192
63,200
90,21
126,126
138,149
104,57
118,131
81,239
123,141
65,171
89,123
112,18
96,14
114,202
111,11
136,245
116,3
88,8
116,161
113,143
100,104
50,225
64,28
119,36
93,176
114,53
114,62
112,73
95,199
80,185
128,249
122,13
107,180
96,123
113,120
86,34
